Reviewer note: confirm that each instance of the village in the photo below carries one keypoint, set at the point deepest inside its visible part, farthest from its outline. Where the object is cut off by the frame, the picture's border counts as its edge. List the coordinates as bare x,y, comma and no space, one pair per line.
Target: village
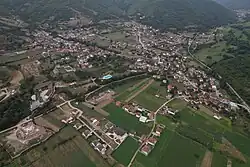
79,73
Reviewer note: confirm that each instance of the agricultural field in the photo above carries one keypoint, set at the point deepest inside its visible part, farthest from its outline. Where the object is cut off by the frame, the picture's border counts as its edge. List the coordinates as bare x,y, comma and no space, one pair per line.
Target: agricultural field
148,99
194,132
122,88
169,150
66,148
219,160
127,94
125,151
124,120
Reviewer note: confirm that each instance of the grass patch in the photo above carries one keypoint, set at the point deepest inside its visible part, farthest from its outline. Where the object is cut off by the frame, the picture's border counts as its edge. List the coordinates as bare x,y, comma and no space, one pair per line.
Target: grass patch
219,160
126,151
124,120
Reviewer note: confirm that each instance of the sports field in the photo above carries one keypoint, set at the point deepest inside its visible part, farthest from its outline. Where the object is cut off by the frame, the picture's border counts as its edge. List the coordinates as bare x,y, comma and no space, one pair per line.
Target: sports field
124,120
125,151
66,148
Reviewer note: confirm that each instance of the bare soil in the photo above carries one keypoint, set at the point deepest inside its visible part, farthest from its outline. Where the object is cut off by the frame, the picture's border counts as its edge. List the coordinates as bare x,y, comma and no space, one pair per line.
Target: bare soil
16,77
207,159
232,150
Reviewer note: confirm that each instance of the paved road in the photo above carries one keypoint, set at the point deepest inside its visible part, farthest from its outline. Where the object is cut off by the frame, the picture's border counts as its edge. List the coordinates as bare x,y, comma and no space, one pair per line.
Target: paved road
142,44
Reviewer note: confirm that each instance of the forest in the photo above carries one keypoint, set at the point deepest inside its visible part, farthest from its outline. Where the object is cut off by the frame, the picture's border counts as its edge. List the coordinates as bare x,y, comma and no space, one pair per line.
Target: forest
160,14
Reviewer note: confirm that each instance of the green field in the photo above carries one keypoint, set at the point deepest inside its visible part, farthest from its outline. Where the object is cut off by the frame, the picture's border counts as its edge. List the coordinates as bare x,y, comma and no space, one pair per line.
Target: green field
124,120
126,151
122,88
66,148
239,141
148,99
214,52
219,160
195,129
172,151
131,90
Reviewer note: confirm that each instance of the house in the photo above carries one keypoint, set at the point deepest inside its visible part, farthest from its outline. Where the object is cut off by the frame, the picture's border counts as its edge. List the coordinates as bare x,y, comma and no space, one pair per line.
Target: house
146,149
101,148
158,131
152,141
87,133
143,119
78,126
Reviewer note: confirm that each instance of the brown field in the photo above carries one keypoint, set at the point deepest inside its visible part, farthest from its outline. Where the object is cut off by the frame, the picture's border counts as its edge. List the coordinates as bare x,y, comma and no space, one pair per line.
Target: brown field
16,77
227,147
207,159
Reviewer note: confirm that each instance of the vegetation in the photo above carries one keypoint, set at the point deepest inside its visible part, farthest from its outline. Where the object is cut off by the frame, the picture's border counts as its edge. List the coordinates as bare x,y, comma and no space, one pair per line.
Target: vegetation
169,150
160,14
124,120
148,98
126,151
219,160
232,4
17,107
65,147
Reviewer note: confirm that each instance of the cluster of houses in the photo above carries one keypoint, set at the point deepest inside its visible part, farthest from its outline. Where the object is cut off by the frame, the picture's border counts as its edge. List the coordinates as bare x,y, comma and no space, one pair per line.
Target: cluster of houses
103,135
143,114
148,143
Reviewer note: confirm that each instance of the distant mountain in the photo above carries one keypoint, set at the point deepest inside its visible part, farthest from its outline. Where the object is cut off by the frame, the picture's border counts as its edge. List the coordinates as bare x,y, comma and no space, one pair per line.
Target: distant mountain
235,4
159,13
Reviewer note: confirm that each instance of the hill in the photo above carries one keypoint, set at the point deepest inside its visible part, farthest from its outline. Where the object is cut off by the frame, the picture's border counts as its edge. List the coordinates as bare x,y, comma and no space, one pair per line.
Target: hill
234,4
159,13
